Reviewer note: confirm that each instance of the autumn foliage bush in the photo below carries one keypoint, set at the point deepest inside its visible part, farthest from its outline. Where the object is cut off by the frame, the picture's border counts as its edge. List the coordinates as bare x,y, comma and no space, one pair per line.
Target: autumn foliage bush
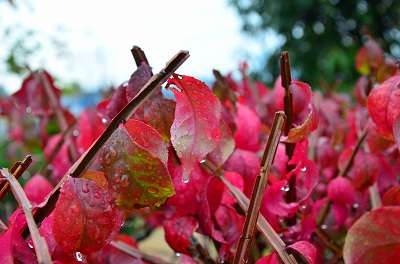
189,165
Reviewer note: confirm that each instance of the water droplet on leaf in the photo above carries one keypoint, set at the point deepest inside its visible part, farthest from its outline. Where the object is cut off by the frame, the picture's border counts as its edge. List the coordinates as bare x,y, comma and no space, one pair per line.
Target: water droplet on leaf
152,190
117,177
113,152
124,180
285,188
185,180
85,188
79,256
97,195
107,159
303,169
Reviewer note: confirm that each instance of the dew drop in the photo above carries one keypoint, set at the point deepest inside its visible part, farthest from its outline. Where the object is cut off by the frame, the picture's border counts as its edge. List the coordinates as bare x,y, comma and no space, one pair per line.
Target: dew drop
85,188
79,256
324,227
28,110
152,190
113,152
103,120
178,254
285,188
75,133
96,195
173,137
124,180
108,212
303,169
355,205
30,245
91,204
209,134
185,180
74,209
203,160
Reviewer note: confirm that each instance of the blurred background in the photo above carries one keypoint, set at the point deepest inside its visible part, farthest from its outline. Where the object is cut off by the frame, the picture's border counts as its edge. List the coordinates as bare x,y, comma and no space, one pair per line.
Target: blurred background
86,44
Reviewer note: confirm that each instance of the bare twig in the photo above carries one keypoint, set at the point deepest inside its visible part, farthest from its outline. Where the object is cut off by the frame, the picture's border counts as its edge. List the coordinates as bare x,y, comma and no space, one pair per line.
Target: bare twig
41,249
139,56
17,170
243,249
288,108
84,162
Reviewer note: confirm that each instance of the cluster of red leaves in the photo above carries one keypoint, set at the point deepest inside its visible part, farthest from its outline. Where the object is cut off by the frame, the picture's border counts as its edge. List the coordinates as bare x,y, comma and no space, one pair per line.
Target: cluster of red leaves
172,153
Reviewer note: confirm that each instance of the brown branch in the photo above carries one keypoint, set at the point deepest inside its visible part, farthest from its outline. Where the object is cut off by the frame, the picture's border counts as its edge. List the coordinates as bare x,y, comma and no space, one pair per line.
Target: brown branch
62,120
84,162
243,248
17,170
224,86
288,108
134,252
139,56
41,249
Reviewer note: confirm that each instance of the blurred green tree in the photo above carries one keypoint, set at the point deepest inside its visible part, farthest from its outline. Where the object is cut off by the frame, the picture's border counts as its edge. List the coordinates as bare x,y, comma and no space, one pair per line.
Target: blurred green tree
322,36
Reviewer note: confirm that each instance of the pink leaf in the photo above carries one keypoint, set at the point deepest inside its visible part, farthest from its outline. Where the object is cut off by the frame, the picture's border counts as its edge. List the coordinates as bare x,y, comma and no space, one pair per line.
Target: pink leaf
195,131
90,128
383,106
85,219
270,259
340,190
306,249
37,188
374,238
248,127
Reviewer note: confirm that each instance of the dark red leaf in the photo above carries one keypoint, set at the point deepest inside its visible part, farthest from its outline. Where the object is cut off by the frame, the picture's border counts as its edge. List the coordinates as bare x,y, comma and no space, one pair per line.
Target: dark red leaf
178,231
33,97
90,128
14,249
85,219
248,127
306,249
374,238
62,161
340,190
383,106
138,79
135,167
37,188
369,57
392,197
116,102
195,131
302,131
209,200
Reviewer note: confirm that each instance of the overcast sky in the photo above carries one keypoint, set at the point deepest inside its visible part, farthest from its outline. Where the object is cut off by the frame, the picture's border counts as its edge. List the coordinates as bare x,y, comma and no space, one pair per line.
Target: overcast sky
98,36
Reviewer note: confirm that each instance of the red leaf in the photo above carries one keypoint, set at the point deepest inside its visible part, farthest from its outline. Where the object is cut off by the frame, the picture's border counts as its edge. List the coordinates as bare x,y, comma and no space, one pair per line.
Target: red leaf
195,131
236,180
14,249
225,147
392,197
340,190
90,128
270,259
135,167
62,161
116,102
306,249
374,238
37,188
369,57
383,106
301,132
116,256
248,127
178,231
33,97
85,219
209,200
366,170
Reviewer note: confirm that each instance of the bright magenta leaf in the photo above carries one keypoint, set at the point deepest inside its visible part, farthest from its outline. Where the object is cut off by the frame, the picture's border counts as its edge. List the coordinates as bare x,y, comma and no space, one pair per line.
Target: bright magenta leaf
178,232
90,128
306,249
195,131
37,188
14,249
340,190
270,259
32,96
85,219
392,197
369,57
248,127
383,106
374,238
134,165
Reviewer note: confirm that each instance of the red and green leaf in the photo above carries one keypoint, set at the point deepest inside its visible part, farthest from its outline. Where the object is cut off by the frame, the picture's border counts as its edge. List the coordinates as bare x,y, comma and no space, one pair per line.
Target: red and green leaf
195,131
374,238
135,167
369,57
